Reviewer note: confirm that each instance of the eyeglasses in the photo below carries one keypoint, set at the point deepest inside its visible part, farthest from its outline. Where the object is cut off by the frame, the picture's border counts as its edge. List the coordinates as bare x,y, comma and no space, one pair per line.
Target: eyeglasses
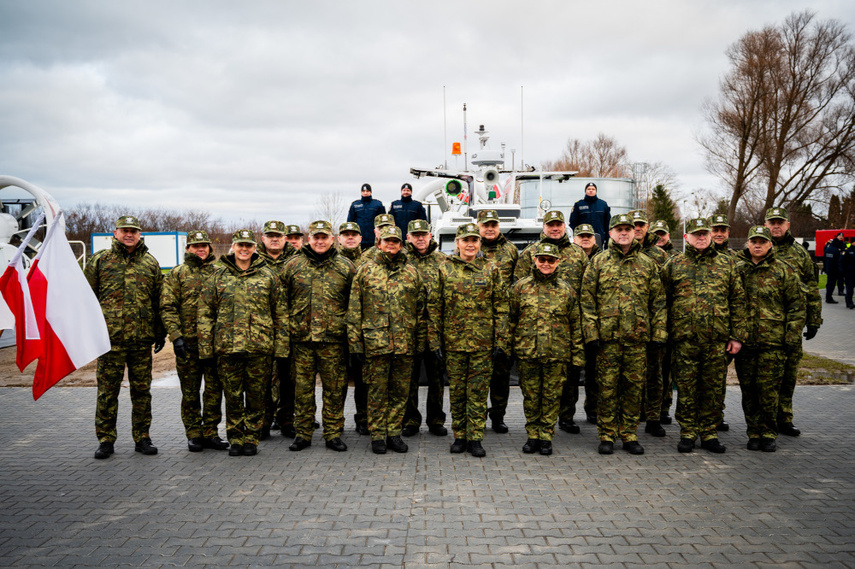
547,260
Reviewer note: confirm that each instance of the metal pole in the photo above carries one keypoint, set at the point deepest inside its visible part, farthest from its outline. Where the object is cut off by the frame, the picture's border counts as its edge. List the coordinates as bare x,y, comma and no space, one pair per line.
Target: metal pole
522,144
444,131
465,143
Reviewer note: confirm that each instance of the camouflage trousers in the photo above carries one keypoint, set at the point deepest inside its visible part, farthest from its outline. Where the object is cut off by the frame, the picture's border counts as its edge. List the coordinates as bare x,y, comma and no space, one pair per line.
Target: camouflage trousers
698,368
759,372
621,375
201,415
435,371
109,373
667,380
355,374
468,382
388,380
283,392
244,378
271,395
328,360
592,388
500,388
569,393
788,386
652,399
540,383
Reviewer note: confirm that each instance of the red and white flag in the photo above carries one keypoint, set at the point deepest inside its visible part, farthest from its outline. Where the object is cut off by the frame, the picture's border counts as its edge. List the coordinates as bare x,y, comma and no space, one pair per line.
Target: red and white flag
69,316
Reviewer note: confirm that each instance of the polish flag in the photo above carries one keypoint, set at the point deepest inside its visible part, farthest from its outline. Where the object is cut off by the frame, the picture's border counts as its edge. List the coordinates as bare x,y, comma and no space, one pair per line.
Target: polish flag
68,313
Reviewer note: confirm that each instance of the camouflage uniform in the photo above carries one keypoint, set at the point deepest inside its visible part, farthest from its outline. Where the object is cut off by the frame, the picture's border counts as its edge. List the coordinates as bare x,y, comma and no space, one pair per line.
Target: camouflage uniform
652,396
387,322
623,307
667,383
776,315
354,368
469,305
127,286
545,330
317,290
706,305
428,266
179,304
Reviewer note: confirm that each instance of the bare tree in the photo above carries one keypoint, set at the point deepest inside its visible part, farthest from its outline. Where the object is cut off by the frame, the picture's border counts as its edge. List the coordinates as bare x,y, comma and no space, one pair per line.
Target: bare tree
602,157
332,207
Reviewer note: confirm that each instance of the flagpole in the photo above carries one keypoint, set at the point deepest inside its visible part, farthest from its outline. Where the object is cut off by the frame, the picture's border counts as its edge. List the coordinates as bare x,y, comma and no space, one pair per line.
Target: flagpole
20,251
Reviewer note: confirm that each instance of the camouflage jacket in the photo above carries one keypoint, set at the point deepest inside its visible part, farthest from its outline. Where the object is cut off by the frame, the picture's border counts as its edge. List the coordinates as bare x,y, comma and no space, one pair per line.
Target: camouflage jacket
571,267
317,290
670,250
371,254
654,253
277,265
503,254
242,312
179,297
622,298
469,307
128,287
706,301
544,320
786,249
725,248
774,301
351,254
427,264
387,313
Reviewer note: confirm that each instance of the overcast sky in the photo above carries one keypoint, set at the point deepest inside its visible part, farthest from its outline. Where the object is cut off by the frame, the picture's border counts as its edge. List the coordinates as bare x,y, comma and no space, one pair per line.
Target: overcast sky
254,109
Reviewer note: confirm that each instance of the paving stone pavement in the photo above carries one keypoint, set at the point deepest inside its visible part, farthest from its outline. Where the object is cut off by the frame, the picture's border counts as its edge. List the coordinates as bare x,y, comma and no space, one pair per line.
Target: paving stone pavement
424,509
834,339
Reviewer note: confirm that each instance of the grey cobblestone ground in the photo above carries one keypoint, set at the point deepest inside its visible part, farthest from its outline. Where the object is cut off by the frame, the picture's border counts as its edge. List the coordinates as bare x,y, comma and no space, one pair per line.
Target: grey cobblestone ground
834,339
424,509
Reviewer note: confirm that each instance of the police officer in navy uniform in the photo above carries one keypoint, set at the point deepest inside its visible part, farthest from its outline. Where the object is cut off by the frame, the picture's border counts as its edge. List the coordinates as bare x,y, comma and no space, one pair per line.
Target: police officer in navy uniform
406,209
363,211
594,211
831,267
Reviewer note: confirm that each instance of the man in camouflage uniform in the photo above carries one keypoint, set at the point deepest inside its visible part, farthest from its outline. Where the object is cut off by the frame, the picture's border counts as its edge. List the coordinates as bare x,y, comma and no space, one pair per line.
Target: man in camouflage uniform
720,233
242,323
294,237
279,391
546,334
179,305
571,268
504,254
623,310
787,250
663,236
423,253
469,306
317,290
776,315
585,237
706,319
386,327
663,233
126,280
349,239
373,252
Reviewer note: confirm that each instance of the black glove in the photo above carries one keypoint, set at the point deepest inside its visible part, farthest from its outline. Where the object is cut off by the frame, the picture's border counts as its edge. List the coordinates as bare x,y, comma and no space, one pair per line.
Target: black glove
594,345
179,345
811,332
438,354
357,359
499,353
158,344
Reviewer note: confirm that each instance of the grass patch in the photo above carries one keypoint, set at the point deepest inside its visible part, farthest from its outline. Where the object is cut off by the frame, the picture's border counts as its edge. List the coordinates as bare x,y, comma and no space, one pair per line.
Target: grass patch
817,370
823,280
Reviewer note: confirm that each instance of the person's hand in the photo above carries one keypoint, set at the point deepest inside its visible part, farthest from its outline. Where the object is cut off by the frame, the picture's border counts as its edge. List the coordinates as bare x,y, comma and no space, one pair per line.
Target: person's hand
439,355
179,346
733,347
159,343
811,331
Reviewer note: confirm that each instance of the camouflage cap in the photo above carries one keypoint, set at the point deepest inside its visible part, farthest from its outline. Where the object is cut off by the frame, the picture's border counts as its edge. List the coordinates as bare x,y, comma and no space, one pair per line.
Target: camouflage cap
244,236
197,236
129,222
584,229
293,230
777,213
320,226
659,226
620,219
349,226
486,215
760,231
418,226
384,219
697,224
390,232
554,215
719,220
546,250
467,230
638,215
274,226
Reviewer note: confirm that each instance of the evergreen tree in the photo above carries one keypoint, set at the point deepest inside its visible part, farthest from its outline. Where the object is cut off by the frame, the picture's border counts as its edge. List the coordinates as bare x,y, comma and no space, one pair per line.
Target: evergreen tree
664,208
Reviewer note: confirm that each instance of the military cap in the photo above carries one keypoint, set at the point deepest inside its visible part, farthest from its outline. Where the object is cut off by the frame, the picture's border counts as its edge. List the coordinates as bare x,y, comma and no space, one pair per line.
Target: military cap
660,225
243,236
390,232
546,250
418,226
638,215
349,226
760,231
719,220
486,215
320,226
467,230
197,236
384,219
128,221
777,213
274,226
293,230
584,229
554,215
620,219
698,224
